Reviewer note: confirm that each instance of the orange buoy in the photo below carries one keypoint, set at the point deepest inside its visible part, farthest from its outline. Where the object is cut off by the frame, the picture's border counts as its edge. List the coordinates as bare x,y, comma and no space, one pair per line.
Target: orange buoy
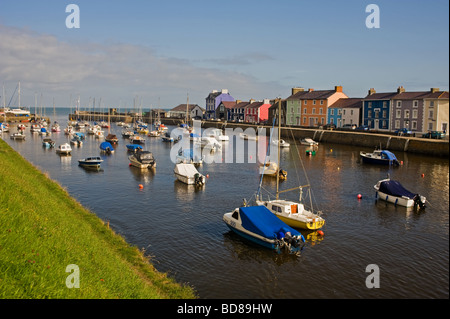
423,175
320,232
141,186
401,162
359,196
207,175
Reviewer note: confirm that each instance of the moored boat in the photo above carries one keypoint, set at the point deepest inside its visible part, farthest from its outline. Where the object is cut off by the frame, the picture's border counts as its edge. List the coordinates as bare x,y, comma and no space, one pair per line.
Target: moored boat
106,147
142,159
188,174
272,169
383,157
64,149
308,141
48,143
392,191
90,162
259,225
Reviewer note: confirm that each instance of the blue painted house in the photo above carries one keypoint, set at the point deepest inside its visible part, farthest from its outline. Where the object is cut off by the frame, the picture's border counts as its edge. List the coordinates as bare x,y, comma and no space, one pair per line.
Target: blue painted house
345,111
377,110
214,99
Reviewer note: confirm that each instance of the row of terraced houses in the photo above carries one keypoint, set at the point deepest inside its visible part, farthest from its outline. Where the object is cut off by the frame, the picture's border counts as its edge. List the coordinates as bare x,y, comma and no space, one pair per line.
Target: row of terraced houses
417,111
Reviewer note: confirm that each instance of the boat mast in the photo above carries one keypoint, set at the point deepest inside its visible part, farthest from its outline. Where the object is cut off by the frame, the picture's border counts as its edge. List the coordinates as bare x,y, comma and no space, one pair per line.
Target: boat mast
278,150
187,110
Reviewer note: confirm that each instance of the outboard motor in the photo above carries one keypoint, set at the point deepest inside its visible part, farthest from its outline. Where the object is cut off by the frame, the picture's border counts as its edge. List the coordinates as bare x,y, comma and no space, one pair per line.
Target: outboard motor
418,201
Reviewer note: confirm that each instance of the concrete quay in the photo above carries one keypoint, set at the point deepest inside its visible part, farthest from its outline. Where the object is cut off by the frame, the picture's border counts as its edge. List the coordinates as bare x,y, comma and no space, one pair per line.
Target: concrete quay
431,147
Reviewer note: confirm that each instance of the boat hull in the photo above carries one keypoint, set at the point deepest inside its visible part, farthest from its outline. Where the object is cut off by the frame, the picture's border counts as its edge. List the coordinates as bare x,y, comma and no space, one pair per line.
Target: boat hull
313,225
404,201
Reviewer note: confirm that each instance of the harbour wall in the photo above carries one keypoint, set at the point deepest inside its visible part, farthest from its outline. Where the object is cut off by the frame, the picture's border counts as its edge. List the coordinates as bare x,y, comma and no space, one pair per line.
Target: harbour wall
432,147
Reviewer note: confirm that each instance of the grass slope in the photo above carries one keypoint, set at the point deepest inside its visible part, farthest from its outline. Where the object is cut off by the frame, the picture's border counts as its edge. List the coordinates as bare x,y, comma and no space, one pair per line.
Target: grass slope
43,230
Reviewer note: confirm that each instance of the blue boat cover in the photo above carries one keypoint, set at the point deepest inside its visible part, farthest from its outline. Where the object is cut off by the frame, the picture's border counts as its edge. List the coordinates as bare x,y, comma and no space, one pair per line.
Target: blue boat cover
394,188
106,145
133,147
389,155
261,221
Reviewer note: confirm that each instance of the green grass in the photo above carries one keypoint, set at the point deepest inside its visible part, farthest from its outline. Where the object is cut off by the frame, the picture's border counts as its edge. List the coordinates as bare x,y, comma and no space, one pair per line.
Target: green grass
43,230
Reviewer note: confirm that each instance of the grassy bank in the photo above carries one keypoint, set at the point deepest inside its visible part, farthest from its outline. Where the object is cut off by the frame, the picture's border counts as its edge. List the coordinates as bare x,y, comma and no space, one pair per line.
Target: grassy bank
43,230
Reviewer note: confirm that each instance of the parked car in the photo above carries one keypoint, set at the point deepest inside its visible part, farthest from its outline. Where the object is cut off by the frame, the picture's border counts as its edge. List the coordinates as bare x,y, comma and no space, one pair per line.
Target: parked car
329,126
348,127
403,131
362,128
434,134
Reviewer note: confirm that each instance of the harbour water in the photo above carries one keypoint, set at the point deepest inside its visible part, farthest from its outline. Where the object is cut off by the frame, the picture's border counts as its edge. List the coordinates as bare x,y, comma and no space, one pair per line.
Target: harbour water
181,228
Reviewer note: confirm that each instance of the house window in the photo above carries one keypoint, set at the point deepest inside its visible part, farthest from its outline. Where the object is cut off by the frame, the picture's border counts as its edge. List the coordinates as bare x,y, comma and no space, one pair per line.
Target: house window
369,113
304,120
415,114
305,102
292,110
299,109
430,126
320,111
344,112
332,112
385,104
351,112
431,103
384,114
377,113
314,110
414,125
397,124
406,114
399,103
384,124
304,110
415,103
314,102
430,114
398,114
369,104
321,102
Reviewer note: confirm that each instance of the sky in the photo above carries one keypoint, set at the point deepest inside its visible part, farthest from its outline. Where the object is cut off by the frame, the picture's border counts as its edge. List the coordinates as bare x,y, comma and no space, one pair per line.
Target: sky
161,53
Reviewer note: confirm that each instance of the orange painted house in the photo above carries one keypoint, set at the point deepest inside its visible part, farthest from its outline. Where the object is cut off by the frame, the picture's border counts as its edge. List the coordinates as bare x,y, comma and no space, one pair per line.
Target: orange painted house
310,108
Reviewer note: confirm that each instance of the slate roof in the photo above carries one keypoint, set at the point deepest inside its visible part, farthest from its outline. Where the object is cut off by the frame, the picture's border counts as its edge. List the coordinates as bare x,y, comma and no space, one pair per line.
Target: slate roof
182,108
312,95
348,103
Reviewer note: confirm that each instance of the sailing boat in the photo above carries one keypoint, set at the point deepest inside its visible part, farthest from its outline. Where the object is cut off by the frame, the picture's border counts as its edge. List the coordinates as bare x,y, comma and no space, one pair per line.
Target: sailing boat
292,213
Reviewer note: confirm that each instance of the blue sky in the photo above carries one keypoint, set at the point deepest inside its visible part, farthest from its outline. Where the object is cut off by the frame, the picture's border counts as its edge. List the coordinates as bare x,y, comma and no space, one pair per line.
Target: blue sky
158,52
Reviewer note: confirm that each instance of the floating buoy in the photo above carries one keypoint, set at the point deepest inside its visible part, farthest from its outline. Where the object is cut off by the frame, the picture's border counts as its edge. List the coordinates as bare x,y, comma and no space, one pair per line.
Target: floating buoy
423,175
129,165
207,175
141,186
359,196
401,162
319,232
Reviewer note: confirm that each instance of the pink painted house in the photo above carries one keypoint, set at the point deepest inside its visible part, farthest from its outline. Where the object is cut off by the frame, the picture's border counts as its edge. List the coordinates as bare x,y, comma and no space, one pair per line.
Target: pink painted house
257,112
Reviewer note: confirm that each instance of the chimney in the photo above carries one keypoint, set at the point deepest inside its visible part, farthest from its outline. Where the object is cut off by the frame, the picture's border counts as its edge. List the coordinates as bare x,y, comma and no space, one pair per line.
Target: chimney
238,101
266,101
296,90
224,91
310,90
251,101
434,90
372,91
338,88
400,90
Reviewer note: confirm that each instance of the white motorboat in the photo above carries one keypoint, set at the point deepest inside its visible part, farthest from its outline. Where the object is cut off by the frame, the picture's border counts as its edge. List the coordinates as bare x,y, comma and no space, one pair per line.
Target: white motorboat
393,192
188,174
18,136
308,141
271,169
281,143
142,159
64,149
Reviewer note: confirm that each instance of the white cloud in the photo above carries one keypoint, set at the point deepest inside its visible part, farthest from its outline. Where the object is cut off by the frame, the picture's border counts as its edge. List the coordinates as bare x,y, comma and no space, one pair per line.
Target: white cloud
116,72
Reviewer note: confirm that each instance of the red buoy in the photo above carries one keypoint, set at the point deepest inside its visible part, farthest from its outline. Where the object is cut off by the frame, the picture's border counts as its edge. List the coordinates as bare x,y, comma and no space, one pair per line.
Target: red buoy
141,186
320,232
359,196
